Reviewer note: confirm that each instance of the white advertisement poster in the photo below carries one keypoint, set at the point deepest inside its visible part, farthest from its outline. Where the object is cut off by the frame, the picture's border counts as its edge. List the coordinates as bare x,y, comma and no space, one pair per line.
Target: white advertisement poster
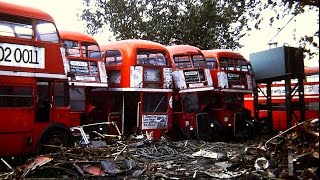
178,77
136,76
167,78
154,122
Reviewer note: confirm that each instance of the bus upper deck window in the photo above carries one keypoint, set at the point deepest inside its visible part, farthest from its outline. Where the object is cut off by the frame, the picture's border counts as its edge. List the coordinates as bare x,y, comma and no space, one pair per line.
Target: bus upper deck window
24,31
113,57
199,61
226,64
241,65
6,30
47,31
182,61
212,63
90,50
151,58
15,26
72,48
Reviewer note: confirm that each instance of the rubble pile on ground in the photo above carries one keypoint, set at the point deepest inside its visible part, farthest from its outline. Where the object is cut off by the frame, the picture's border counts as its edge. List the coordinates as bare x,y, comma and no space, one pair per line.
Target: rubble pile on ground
290,154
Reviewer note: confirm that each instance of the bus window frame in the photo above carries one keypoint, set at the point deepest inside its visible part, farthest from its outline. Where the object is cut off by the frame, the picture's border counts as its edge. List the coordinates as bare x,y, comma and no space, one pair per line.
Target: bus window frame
185,63
115,59
12,21
53,33
213,63
158,61
13,98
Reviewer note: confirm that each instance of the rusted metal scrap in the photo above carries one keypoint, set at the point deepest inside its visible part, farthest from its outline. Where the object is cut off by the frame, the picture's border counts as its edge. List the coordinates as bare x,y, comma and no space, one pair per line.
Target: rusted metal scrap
291,154
138,158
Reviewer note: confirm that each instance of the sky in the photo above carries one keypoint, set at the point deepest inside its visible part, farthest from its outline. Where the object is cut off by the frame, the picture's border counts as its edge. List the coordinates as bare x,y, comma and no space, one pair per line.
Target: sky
65,13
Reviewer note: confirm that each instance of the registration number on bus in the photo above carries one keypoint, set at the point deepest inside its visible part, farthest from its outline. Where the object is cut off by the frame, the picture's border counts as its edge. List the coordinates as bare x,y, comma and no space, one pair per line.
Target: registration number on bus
21,56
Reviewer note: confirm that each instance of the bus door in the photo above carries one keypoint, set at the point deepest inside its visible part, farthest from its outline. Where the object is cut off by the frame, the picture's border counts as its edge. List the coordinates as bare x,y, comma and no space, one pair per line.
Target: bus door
115,113
131,107
61,101
44,104
154,110
77,105
52,101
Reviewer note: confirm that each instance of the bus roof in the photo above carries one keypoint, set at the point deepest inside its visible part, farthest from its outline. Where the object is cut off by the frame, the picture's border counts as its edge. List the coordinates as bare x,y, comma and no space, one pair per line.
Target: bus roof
131,44
76,36
183,49
24,11
311,70
222,53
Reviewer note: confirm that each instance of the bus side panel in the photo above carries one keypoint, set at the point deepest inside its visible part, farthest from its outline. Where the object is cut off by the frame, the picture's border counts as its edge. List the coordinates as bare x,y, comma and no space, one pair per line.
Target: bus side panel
12,144
15,120
52,64
279,122
312,114
76,118
62,115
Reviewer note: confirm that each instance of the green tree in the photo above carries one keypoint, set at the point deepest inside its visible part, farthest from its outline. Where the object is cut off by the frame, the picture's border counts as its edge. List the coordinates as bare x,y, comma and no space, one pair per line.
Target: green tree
203,23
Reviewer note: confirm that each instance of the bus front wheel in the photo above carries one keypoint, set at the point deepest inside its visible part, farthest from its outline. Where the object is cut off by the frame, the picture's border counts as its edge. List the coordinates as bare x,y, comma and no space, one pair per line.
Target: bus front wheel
53,138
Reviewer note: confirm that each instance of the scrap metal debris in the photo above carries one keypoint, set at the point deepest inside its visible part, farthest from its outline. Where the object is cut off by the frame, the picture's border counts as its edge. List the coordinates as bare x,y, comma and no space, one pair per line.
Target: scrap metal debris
293,153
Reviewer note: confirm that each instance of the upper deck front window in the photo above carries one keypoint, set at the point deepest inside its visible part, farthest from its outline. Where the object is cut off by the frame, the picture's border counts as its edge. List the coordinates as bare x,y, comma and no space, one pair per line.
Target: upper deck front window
232,64
90,50
199,61
46,31
148,57
182,61
212,63
241,65
226,64
113,57
15,26
72,48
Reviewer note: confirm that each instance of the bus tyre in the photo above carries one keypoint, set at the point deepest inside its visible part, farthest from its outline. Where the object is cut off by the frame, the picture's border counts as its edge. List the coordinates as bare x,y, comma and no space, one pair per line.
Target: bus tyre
217,130
55,136
249,129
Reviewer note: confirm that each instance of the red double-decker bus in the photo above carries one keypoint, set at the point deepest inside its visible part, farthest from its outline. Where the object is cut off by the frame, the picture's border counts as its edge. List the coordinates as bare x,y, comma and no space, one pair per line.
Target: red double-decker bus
232,78
192,89
85,69
34,96
278,100
140,87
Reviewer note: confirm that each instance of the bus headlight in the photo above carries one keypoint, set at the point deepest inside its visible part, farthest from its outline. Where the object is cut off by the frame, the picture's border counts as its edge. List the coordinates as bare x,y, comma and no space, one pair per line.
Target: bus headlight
226,119
191,128
229,125
211,125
